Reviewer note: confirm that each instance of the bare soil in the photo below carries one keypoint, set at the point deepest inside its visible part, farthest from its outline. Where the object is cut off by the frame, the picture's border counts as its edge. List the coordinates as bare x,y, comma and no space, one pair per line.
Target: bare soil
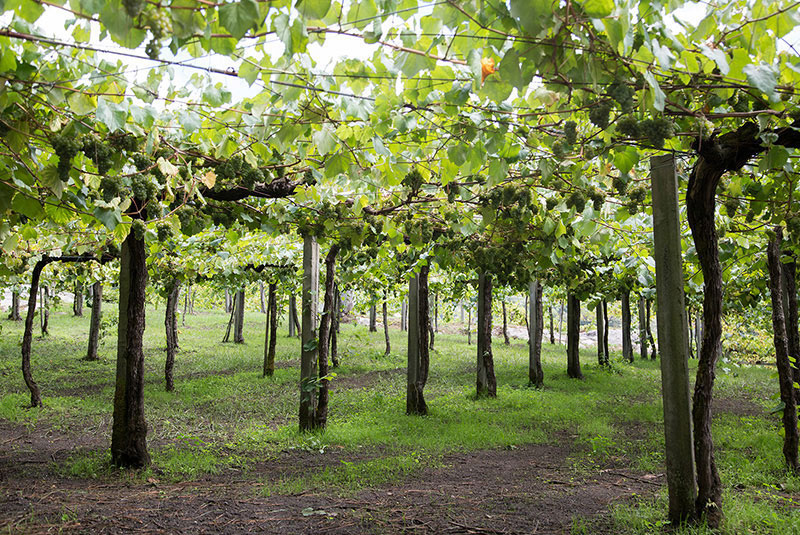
530,489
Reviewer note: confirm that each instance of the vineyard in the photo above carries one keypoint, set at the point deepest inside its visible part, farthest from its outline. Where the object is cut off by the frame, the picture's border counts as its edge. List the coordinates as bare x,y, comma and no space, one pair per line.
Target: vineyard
383,266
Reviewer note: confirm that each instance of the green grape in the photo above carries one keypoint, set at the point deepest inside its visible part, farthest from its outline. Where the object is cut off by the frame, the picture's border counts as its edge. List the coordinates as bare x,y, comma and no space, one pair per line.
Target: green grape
164,231
598,198
570,132
731,206
139,188
620,184
623,94
142,162
559,150
98,152
66,148
138,228
153,48
110,188
551,203
656,130
598,114
413,180
742,103
628,126
577,200
638,40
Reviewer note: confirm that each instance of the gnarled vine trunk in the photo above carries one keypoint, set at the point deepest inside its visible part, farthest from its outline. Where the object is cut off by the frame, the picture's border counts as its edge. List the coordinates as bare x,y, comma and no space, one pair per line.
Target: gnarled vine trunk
535,332
238,317
601,355
418,350
506,340
486,382
77,300
335,322
790,315
785,378
573,337
129,430
321,414
271,331
171,329
627,344
385,311
13,314
95,321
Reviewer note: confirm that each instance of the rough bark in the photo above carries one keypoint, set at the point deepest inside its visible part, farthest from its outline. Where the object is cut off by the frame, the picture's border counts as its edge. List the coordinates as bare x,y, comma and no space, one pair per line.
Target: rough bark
238,317
129,430
506,340
271,330
308,339
335,319
373,319
790,315
13,314
171,329
780,337
95,321
418,352
598,310
606,354
642,330
385,311
321,414
27,336
573,337
228,301
552,334
77,300
535,332
649,326
44,312
486,382
627,344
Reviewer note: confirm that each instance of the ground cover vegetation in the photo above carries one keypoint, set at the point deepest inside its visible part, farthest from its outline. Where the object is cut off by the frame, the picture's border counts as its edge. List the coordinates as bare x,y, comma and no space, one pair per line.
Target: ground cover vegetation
580,154
227,426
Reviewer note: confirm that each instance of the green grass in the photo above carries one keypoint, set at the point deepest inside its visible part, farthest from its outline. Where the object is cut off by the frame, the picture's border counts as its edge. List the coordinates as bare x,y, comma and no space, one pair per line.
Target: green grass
224,416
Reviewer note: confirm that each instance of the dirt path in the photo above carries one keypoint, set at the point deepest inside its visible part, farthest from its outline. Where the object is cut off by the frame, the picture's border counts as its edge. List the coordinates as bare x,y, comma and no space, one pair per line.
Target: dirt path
530,489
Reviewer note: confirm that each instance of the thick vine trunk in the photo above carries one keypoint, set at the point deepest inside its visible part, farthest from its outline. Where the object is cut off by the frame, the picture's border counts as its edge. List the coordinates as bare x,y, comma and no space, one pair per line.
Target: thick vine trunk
271,331
309,344
13,314
386,325
627,344
606,355
573,337
321,414
418,352
77,300
642,330
27,336
648,324
535,332
790,315
373,318
600,329
486,382
171,329
785,378
228,302
95,321
129,430
337,308
238,317
431,330
506,340
44,312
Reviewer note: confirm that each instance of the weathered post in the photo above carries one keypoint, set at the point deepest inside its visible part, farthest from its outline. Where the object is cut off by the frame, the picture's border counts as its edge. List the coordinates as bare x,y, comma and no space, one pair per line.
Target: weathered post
673,340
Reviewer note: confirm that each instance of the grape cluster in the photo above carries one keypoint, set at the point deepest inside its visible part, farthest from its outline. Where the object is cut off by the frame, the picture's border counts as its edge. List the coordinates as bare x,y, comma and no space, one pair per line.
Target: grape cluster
133,7
453,190
620,184
560,151
740,102
576,200
142,162
66,148
138,228
570,132
623,94
160,23
637,195
731,206
126,142
143,189
98,152
628,126
599,114
413,181
308,176
551,203
598,198
110,188
793,226
657,130
164,232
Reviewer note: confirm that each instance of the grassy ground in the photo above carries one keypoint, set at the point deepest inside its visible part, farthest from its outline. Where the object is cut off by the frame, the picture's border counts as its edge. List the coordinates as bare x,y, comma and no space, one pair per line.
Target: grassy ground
224,416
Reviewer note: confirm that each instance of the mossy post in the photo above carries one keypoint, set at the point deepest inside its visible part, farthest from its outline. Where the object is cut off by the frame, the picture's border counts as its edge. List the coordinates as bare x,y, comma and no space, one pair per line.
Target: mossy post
308,338
673,340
